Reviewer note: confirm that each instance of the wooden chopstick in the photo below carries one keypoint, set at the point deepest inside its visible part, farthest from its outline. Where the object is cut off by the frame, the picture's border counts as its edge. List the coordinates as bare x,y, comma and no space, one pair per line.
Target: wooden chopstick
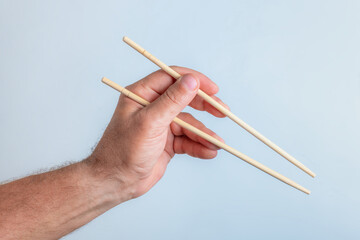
211,139
221,108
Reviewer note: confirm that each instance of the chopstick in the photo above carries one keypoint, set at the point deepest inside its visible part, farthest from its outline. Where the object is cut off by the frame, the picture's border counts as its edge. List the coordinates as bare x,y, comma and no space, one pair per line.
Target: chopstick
211,139
221,108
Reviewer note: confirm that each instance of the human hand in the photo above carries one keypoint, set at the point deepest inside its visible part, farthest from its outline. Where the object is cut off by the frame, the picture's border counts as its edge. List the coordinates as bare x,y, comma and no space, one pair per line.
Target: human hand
140,141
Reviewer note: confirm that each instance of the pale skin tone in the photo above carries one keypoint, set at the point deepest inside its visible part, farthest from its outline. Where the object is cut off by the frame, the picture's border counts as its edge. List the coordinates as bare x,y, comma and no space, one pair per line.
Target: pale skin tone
129,160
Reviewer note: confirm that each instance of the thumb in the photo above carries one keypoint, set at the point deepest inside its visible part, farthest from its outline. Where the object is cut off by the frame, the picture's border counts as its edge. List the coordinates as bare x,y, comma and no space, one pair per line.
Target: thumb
165,108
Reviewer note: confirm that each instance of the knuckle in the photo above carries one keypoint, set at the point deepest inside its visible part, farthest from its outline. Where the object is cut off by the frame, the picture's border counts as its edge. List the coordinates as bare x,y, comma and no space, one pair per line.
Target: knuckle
172,95
186,116
174,66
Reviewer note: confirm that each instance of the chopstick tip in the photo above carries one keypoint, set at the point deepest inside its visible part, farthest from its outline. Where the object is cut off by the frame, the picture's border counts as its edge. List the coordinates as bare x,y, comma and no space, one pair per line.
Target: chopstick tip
105,80
311,174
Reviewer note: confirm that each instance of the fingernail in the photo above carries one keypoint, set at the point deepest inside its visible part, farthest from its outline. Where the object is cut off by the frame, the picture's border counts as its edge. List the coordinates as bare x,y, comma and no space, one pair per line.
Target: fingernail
189,81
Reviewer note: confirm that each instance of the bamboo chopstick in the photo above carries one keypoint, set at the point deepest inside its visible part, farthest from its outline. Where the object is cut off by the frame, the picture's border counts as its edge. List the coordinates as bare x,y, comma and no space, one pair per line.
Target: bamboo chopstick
211,139
221,108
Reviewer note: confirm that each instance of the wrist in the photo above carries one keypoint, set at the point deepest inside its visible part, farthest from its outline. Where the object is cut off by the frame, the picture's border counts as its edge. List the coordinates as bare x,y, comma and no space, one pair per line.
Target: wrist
117,187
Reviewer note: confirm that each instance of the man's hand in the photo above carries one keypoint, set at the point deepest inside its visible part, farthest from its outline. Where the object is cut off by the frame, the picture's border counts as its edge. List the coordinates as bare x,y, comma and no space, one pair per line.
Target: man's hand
139,142
129,159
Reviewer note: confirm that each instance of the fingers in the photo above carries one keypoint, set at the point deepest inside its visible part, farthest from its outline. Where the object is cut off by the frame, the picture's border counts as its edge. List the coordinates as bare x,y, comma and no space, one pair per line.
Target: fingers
208,86
155,84
165,108
185,145
179,131
152,86
200,104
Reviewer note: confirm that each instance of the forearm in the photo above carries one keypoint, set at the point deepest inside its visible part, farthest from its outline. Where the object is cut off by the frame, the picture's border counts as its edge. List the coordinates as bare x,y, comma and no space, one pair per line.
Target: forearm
52,204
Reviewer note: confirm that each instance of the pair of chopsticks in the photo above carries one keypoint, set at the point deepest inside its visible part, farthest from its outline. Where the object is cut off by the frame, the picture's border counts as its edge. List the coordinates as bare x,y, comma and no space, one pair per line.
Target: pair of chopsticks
226,112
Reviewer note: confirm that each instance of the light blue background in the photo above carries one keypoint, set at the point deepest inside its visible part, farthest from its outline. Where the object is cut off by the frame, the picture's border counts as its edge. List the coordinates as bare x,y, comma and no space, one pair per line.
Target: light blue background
291,69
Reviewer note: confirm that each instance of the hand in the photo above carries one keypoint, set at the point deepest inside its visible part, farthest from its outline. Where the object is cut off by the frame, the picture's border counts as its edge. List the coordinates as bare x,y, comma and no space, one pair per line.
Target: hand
130,158
140,141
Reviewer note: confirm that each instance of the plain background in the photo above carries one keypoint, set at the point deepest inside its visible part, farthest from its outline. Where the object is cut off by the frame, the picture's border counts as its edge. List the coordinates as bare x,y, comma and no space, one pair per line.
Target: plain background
288,68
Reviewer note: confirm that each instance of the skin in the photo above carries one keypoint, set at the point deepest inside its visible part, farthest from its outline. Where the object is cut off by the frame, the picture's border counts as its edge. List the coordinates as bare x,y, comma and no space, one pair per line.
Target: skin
129,160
